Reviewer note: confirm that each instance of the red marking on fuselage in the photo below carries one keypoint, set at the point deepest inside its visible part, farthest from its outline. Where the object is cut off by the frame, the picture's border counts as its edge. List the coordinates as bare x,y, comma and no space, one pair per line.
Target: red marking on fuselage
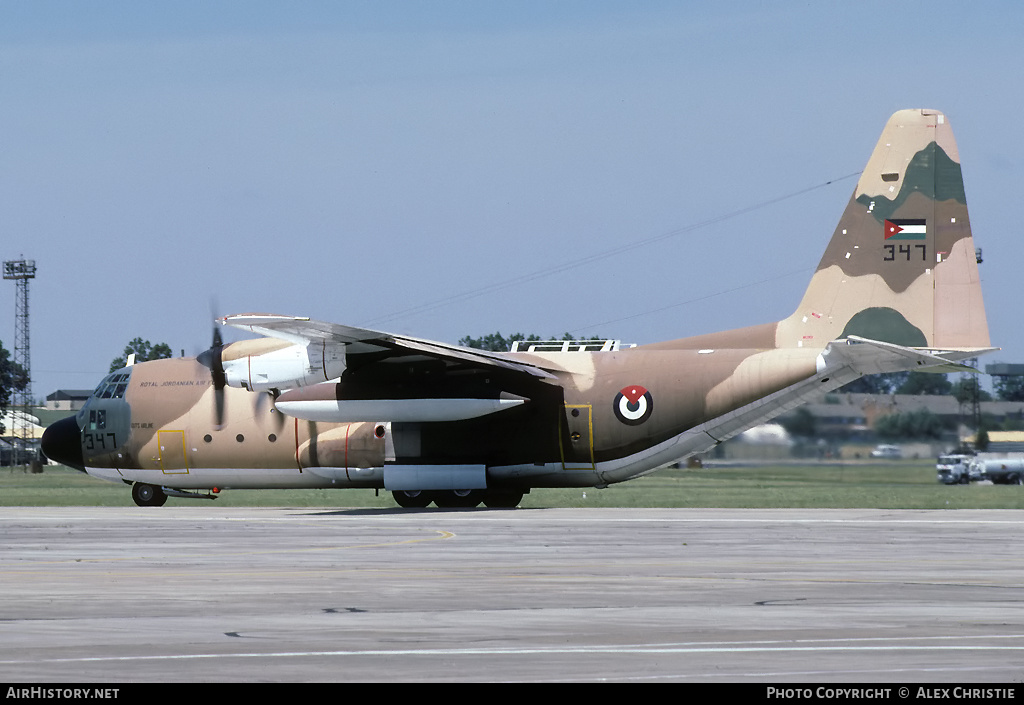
633,393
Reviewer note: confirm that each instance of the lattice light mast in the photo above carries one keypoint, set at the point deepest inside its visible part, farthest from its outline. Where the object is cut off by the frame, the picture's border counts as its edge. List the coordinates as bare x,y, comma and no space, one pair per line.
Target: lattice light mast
21,270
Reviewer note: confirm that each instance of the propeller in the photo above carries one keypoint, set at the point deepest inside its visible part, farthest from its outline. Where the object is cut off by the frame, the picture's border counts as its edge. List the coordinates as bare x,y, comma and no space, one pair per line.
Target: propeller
214,360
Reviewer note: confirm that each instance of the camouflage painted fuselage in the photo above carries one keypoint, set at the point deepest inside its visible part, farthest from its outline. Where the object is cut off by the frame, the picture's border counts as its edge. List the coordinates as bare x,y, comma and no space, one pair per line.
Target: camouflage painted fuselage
577,429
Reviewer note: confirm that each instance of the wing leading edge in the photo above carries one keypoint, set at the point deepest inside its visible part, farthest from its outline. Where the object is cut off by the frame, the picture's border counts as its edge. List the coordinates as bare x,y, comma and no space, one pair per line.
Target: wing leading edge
304,331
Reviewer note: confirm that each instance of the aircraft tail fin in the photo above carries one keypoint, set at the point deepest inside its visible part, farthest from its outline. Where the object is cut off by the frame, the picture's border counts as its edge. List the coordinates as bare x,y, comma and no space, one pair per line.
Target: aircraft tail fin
901,267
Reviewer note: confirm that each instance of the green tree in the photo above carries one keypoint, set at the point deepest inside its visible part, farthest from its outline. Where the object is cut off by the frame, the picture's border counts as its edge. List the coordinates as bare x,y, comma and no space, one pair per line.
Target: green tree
143,350
1013,422
496,342
925,383
800,423
12,379
981,441
1010,387
883,383
919,423
967,389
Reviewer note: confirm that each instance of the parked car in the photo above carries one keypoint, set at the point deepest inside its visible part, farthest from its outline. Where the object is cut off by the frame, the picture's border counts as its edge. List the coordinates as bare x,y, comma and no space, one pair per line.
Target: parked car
885,451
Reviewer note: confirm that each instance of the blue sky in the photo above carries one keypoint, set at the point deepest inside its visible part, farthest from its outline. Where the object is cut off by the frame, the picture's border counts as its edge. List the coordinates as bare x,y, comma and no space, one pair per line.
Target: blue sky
642,171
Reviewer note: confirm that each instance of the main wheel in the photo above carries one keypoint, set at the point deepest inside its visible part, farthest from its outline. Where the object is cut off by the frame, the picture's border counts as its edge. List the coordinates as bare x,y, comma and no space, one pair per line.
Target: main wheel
148,495
412,499
502,499
458,498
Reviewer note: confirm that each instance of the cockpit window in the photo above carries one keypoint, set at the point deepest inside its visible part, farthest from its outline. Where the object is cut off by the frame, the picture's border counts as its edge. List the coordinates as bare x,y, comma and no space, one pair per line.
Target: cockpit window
113,386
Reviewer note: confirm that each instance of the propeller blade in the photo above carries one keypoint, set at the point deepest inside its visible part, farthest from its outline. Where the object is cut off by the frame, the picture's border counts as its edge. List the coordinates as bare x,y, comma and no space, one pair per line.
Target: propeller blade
214,360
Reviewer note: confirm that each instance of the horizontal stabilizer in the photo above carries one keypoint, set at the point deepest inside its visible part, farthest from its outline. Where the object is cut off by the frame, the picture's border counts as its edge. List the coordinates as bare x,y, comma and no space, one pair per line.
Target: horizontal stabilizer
888,354
841,362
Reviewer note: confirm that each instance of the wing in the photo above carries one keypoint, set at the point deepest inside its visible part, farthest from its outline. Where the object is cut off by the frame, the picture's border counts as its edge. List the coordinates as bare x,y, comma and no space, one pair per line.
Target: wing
330,372
358,342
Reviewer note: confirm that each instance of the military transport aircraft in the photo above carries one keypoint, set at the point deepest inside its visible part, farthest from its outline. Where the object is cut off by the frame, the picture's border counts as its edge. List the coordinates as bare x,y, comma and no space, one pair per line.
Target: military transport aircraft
315,404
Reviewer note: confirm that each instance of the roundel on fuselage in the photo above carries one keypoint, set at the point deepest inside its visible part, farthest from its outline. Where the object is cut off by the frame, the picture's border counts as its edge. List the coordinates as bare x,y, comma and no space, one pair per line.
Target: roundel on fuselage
633,405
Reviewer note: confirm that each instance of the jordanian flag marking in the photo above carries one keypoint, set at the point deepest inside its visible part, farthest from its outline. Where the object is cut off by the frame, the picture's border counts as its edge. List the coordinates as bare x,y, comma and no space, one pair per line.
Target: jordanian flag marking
908,229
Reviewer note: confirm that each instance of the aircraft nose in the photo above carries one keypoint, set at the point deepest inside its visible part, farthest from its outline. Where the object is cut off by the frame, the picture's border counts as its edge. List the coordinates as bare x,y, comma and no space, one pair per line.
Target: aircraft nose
62,443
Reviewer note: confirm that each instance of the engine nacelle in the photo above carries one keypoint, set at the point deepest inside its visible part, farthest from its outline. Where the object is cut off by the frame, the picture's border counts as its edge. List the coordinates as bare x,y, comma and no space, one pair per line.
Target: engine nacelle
286,368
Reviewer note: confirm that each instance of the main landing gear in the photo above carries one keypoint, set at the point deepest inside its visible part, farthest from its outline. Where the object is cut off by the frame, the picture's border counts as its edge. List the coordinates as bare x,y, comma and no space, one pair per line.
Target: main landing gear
146,495
494,499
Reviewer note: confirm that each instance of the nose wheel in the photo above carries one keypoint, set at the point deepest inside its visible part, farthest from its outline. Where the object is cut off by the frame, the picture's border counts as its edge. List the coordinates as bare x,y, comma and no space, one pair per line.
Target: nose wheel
148,495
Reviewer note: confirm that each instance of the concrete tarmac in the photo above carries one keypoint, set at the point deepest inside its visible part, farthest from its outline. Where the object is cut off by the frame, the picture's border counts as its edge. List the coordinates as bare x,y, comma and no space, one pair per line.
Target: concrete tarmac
203,594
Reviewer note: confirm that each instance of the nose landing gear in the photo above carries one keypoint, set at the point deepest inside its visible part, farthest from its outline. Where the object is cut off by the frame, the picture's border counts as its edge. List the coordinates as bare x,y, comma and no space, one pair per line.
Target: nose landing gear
148,495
